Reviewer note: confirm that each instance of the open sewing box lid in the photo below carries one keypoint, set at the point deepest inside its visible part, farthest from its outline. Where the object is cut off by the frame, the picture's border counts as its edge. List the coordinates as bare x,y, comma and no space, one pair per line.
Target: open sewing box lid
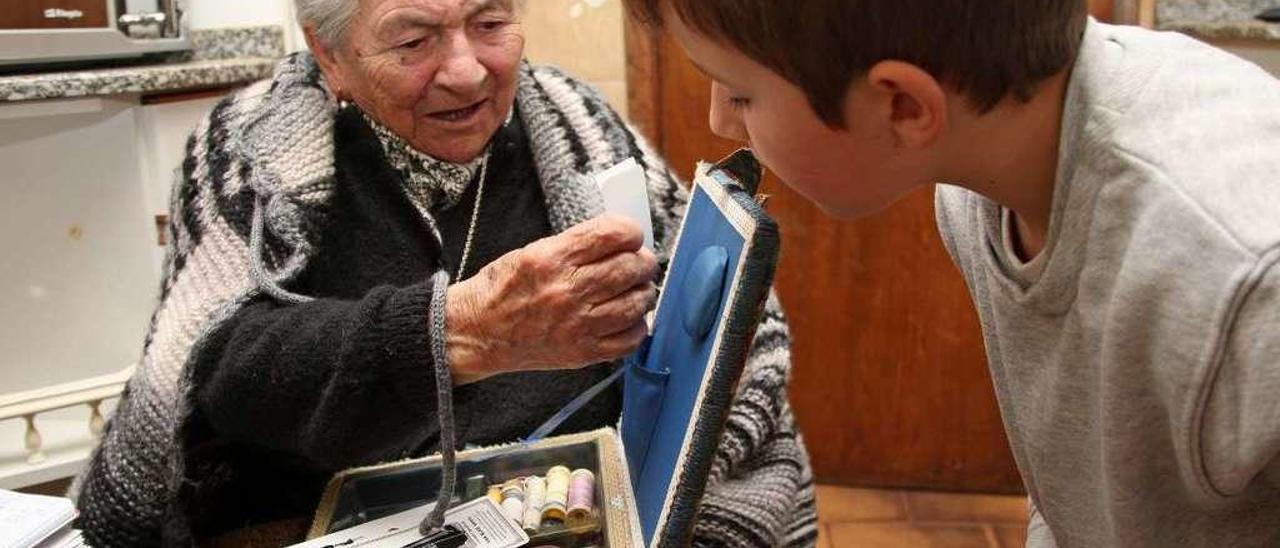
678,386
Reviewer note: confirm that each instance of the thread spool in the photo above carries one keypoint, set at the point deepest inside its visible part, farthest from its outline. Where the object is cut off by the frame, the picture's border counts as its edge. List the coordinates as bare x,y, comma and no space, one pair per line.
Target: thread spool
513,500
475,487
582,495
535,493
557,494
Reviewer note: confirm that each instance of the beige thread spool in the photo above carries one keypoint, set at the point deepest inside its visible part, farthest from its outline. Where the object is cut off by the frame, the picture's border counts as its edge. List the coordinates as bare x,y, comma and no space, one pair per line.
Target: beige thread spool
535,493
513,500
582,494
557,493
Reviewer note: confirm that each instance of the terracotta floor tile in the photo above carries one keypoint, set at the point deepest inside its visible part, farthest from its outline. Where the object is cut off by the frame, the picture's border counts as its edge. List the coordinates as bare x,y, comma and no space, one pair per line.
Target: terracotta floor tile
1012,537
903,535
844,504
995,509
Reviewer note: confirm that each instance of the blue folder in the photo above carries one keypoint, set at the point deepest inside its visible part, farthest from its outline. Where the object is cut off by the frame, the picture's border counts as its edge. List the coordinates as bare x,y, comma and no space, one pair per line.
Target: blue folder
680,384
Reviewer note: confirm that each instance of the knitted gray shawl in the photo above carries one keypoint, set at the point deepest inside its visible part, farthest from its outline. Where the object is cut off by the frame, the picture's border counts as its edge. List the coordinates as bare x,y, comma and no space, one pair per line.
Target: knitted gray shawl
276,144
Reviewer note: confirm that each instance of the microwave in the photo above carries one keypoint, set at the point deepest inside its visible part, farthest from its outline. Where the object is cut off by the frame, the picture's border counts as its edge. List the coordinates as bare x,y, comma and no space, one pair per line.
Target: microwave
39,32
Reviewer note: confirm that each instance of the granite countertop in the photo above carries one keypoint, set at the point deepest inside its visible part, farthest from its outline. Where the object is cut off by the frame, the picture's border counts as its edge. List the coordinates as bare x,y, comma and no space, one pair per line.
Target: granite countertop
1218,19
219,57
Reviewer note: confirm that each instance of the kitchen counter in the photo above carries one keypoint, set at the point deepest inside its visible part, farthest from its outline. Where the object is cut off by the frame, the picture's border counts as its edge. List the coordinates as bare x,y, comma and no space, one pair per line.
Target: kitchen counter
1239,30
1218,19
220,57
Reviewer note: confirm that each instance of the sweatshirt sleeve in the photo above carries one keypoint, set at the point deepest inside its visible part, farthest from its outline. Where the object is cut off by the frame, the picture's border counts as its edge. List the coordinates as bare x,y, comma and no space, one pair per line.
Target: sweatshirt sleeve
1038,533
1240,435
339,382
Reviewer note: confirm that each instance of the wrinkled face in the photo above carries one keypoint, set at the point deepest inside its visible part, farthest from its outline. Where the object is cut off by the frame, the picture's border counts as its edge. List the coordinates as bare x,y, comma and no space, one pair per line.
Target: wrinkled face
439,73
848,173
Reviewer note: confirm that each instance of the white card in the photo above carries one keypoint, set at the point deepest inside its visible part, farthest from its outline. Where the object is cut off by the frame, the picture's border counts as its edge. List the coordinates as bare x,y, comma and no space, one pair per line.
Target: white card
481,520
485,525
626,193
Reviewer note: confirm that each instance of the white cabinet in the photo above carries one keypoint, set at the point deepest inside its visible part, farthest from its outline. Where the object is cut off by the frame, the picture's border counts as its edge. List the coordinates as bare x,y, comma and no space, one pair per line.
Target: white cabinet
77,277
82,181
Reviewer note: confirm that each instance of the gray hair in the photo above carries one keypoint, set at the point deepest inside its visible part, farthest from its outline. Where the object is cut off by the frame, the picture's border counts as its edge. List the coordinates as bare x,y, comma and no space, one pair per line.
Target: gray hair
329,18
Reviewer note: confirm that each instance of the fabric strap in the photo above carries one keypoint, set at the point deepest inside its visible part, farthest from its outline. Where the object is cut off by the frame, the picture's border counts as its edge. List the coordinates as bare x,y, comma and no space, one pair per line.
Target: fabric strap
444,406
573,407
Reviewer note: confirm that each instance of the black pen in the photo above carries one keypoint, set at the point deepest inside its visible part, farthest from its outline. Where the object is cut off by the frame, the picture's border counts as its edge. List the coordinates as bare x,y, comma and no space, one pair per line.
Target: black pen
449,537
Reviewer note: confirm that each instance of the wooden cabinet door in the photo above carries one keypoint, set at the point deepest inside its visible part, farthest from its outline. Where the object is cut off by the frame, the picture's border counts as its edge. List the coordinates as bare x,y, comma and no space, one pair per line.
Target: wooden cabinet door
890,383
53,14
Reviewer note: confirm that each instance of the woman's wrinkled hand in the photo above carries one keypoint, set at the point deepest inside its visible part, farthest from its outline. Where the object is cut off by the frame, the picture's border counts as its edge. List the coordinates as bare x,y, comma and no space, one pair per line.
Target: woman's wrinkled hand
562,302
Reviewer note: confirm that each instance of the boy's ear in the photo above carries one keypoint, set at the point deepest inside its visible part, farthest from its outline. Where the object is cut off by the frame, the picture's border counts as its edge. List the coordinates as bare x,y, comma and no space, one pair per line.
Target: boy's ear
911,99
326,57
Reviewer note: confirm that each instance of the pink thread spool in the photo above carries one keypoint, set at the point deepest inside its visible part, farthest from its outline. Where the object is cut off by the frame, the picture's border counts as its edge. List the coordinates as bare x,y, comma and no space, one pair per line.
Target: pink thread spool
582,495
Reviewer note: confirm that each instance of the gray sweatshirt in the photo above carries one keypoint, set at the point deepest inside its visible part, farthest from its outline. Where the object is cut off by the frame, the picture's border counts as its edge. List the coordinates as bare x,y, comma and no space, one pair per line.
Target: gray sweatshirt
1138,374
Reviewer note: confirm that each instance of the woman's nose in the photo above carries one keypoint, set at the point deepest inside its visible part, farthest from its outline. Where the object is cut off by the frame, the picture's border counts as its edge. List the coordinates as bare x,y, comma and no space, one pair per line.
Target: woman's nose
461,71
725,120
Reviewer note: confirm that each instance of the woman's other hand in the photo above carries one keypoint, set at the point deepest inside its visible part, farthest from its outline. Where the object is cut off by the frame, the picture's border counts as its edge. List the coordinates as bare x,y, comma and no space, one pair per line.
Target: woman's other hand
562,302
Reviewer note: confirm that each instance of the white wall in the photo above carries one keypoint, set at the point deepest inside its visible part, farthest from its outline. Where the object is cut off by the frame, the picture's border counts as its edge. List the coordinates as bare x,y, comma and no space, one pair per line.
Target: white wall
585,38
210,14
558,32
206,14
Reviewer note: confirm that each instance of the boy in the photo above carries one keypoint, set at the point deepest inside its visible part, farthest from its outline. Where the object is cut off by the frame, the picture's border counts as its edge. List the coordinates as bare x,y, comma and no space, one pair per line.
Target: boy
1116,215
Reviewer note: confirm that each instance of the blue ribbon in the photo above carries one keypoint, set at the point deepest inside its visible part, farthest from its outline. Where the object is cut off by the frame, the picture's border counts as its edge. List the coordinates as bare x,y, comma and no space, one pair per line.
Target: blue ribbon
573,407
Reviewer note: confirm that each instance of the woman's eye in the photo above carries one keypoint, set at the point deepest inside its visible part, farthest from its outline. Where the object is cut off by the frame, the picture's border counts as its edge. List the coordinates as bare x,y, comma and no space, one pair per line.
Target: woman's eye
491,26
413,44
739,103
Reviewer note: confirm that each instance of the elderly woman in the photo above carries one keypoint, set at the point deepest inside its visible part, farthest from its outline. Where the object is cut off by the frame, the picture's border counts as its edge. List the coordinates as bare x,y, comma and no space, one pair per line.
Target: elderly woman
402,217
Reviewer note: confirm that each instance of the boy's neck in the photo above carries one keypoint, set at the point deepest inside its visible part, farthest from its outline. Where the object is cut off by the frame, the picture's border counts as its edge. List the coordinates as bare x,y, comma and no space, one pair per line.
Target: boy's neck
1010,155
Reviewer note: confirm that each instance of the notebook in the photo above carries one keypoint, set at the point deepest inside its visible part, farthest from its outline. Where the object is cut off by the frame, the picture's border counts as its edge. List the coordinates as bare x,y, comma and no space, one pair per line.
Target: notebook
35,520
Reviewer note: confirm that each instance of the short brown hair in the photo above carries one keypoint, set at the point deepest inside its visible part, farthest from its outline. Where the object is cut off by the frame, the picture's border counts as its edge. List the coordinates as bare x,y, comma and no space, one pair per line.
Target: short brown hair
985,49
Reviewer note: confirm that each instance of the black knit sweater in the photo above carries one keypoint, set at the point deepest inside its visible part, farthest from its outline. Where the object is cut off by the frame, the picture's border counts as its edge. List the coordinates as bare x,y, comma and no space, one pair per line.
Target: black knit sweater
290,394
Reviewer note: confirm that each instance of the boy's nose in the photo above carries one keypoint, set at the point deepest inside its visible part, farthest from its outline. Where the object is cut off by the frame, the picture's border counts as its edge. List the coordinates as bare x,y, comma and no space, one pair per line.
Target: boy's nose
725,120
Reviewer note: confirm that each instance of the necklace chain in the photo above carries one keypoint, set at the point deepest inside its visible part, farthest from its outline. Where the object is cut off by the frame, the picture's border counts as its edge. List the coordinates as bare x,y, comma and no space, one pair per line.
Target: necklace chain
475,218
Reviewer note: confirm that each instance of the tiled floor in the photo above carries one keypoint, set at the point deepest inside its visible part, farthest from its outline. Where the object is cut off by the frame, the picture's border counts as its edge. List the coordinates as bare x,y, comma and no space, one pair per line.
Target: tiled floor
866,518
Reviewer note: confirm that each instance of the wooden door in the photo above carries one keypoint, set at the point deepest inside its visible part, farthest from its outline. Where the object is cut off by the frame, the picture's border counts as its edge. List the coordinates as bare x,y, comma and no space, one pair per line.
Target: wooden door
890,381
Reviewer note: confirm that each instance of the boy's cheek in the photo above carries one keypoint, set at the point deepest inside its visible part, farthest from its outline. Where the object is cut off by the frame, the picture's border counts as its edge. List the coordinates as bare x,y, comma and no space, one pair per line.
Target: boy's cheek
786,148
791,163
815,167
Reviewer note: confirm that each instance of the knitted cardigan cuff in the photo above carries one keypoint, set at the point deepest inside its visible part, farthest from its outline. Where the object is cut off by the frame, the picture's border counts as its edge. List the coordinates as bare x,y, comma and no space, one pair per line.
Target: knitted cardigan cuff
413,346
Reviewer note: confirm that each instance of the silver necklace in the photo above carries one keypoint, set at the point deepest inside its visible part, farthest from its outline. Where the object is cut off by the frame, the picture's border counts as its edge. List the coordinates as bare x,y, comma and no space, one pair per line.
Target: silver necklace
475,217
